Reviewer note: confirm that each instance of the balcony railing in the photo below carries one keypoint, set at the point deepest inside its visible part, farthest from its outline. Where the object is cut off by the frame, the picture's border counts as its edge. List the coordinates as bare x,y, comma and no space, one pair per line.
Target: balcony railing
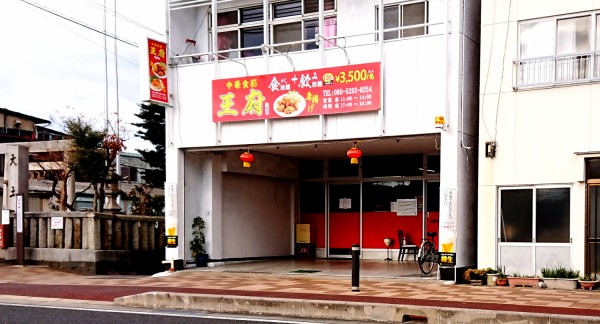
556,70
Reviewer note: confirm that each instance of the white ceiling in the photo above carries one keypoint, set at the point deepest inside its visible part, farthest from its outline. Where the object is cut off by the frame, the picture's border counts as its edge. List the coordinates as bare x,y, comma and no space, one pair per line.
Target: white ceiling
421,144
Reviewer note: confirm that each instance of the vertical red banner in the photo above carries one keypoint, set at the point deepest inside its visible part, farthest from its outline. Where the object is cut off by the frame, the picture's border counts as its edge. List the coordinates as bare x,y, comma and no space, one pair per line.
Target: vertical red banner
158,81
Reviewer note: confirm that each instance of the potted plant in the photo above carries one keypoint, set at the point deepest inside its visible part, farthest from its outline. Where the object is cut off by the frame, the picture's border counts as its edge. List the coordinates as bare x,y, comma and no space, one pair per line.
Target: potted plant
523,280
588,282
560,277
502,280
198,241
474,276
492,276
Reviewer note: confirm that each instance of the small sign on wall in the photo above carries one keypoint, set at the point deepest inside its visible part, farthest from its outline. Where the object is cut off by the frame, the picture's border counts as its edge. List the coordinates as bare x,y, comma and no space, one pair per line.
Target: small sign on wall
345,203
406,207
5,217
56,223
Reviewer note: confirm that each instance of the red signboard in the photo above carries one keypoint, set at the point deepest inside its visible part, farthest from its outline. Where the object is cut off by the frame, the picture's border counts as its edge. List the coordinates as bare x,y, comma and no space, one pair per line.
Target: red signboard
333,90
157,82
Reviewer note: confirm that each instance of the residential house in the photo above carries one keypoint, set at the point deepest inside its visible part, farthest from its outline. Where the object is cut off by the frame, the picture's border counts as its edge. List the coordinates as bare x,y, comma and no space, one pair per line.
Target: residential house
539,166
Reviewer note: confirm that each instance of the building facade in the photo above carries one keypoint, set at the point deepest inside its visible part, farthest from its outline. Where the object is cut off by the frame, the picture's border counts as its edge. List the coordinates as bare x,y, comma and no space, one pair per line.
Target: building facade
540,152
356,76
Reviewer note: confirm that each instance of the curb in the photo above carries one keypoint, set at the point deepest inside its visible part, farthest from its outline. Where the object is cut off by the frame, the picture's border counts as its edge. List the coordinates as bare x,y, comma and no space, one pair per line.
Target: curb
338,310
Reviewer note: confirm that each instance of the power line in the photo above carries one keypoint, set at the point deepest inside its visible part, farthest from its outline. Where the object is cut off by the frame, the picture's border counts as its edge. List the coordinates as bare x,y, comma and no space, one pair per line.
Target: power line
84,37
125,18
80,23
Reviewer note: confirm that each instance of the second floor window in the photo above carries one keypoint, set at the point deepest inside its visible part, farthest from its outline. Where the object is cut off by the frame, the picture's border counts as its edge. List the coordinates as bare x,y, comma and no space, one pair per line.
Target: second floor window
557,50
291,22
404,15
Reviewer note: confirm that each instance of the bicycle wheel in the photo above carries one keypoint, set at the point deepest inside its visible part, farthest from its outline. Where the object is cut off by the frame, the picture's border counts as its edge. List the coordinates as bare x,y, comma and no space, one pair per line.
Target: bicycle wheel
426,258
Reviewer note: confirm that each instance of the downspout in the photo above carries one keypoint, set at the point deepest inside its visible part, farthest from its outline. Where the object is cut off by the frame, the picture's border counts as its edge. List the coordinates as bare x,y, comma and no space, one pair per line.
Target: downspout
323,60
266,56
381,71
215,58
461,79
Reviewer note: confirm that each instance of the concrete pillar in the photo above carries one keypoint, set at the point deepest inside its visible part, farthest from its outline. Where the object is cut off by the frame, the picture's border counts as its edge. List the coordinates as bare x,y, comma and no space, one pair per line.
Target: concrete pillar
71,189
108,235
144,236
77,238
16,173
49,234
151,237
68,226
118,239
58,238
136,235
33,232
43,232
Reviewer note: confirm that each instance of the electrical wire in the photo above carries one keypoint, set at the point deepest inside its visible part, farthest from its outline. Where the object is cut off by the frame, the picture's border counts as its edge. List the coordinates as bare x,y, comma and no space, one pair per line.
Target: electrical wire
502,73
80,23
84,37
129,20
105,73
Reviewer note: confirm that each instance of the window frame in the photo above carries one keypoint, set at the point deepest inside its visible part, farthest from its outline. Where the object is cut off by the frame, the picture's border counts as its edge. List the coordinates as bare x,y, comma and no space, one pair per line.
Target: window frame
534,214
400,32
557,68
273,22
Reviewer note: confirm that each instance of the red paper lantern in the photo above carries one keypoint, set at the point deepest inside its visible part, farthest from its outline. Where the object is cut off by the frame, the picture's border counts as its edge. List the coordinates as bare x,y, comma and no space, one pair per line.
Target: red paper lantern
247,158
354,154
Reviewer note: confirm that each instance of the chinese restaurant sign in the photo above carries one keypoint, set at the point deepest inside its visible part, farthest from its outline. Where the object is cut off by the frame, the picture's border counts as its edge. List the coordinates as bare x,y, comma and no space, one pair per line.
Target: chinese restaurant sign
334,90
157,83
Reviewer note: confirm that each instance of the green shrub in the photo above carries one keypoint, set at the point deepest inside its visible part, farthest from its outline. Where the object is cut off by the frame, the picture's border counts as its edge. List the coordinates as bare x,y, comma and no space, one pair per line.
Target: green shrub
559,272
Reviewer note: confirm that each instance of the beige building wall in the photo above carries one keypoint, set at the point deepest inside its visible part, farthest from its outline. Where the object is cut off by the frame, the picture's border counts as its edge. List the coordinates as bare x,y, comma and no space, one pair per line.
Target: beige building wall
538,131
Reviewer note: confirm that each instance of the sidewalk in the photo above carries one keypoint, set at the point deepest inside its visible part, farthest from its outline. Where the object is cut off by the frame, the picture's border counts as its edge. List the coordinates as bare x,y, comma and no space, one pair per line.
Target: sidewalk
272,287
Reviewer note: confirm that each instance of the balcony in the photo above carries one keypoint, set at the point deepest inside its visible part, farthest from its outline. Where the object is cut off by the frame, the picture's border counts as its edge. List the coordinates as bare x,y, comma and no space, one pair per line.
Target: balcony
560,70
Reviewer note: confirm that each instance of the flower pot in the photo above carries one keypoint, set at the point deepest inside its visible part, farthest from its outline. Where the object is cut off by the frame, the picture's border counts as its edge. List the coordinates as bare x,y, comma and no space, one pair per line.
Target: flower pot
561,283
502,282
202,260
523,282
475,282
589,285
491,279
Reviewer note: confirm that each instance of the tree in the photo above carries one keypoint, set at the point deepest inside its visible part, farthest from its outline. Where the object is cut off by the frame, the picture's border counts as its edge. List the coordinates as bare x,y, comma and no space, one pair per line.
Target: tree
144,203
56,170
153,130
91,154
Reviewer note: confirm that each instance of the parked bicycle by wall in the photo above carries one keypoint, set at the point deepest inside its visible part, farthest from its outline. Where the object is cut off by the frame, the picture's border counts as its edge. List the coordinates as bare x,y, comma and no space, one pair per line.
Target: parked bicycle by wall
428,255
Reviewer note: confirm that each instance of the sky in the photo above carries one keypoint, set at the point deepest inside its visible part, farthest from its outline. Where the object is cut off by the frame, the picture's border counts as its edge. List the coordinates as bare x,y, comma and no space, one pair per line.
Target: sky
52,67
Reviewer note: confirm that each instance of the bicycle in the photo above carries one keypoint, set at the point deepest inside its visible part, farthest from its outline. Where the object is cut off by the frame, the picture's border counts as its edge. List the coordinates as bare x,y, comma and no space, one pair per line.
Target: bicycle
428,254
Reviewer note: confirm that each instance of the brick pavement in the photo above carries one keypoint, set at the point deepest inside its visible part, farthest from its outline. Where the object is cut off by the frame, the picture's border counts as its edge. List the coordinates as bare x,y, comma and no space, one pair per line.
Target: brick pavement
281,283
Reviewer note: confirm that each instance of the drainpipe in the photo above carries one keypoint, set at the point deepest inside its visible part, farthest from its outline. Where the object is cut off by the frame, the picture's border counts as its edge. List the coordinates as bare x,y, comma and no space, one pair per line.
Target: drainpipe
382,68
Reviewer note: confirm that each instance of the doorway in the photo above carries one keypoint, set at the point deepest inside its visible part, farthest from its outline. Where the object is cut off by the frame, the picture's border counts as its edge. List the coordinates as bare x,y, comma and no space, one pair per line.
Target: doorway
592,247
344,219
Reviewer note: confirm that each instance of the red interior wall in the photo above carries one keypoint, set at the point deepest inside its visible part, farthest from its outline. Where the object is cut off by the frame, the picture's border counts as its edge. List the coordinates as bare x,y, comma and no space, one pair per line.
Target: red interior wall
379,225
376,226
344,229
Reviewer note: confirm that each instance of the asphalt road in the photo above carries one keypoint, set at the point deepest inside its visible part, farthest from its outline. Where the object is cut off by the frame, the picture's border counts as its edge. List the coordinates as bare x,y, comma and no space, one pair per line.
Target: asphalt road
60,314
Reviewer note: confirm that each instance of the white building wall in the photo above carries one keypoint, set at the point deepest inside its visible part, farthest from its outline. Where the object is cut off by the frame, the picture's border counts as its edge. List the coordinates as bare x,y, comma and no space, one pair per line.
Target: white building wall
537,131
423,78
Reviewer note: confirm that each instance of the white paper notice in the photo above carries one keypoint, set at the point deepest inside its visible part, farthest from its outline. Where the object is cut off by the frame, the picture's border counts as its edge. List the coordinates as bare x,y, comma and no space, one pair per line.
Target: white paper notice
394,207
407,207
56,223
5,217
345,203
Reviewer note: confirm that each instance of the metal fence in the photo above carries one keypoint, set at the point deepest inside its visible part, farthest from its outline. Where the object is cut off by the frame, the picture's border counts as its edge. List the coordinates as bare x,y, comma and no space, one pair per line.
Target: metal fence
556,70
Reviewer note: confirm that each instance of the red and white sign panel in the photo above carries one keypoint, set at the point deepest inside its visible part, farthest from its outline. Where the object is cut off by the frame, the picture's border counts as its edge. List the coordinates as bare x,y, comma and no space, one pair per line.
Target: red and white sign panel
157,82
333,90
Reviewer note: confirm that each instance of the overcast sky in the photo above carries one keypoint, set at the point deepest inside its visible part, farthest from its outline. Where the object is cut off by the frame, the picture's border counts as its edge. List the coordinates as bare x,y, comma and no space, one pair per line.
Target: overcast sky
53,67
